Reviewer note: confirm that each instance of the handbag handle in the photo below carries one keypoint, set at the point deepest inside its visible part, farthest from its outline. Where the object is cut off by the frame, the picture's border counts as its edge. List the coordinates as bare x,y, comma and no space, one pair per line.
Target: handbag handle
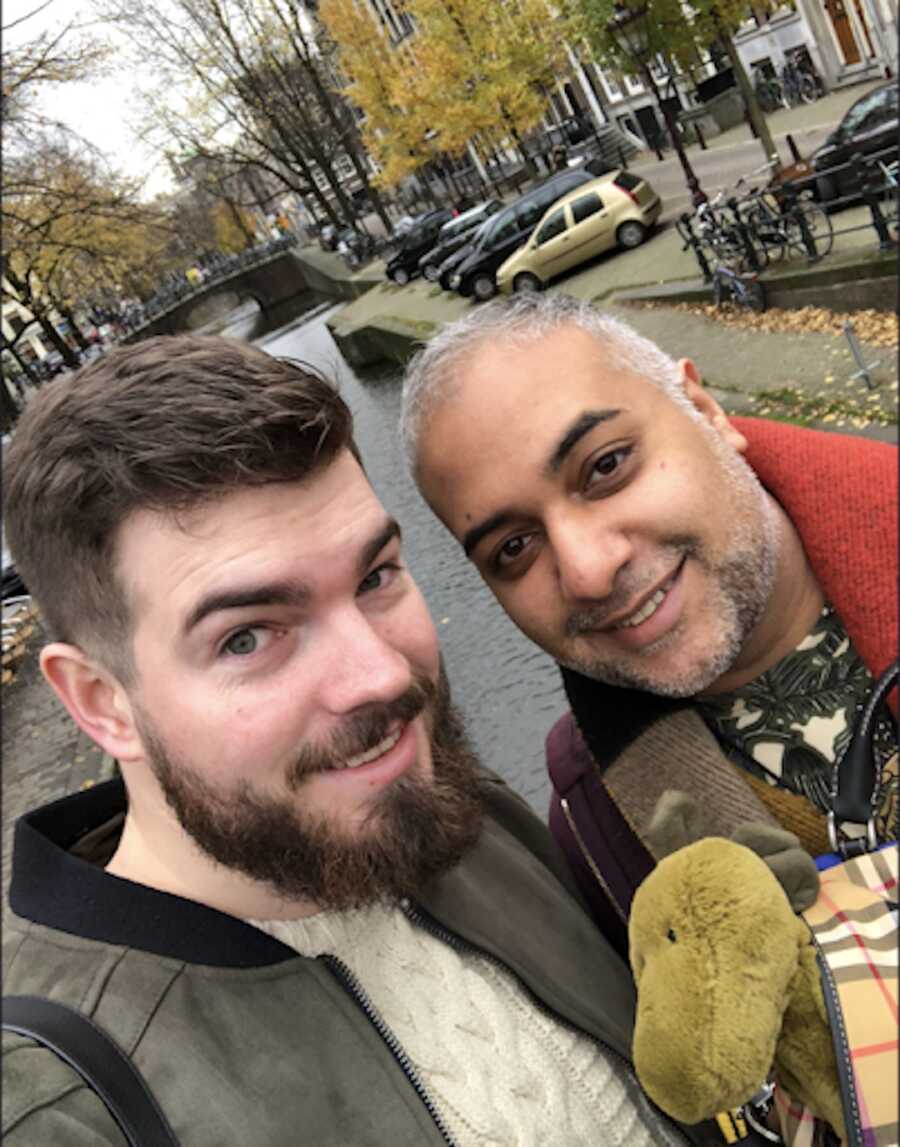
100,1062
856,779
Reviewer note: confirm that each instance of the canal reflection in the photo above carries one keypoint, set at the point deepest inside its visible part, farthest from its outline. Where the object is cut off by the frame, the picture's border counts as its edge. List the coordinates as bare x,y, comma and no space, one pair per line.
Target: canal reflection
509,691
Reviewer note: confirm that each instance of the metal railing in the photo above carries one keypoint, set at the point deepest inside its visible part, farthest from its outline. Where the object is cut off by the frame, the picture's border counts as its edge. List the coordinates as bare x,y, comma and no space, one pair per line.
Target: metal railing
170,297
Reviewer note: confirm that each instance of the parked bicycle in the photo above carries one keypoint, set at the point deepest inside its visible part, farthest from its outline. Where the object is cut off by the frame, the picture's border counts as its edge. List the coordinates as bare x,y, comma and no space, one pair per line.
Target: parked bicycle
797,86
747,291
769,94
721,229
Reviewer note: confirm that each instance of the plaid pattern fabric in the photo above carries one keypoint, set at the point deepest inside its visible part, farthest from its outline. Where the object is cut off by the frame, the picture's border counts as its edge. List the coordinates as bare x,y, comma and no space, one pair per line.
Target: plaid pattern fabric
854,923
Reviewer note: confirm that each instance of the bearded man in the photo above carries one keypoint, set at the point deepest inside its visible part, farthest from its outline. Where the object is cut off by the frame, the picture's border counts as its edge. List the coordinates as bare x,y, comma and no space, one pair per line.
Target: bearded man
719,593
304,912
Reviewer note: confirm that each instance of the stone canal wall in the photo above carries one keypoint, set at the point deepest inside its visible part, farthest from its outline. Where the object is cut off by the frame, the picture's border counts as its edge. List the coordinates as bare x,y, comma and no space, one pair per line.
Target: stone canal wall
385,322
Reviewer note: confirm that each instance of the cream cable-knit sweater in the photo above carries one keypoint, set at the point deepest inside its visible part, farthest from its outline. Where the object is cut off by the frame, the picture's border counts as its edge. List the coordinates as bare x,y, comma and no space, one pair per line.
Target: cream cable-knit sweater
500,1070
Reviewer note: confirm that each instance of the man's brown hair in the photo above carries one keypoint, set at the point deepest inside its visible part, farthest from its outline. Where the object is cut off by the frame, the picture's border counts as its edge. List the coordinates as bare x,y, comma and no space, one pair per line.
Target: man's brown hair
164,425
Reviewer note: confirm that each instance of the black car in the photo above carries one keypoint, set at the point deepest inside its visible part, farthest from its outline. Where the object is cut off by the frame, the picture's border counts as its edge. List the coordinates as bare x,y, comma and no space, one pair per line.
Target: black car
415,244
455,234
459,256
508,230
869,128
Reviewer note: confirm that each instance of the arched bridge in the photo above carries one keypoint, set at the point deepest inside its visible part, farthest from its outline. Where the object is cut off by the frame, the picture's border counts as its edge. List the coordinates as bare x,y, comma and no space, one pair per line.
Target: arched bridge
274,281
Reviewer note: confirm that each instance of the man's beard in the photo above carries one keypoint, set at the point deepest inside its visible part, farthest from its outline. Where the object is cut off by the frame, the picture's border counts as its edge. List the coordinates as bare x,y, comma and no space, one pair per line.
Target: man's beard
417,828
740,585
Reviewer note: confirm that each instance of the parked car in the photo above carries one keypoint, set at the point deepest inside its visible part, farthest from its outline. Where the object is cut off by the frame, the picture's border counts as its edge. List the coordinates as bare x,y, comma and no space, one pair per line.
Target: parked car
404,224
405,264
454,234
869,126
509,229
449,265
615,210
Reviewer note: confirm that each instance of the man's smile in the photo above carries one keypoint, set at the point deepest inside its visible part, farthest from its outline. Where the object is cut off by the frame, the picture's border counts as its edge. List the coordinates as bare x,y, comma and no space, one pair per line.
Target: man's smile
646,605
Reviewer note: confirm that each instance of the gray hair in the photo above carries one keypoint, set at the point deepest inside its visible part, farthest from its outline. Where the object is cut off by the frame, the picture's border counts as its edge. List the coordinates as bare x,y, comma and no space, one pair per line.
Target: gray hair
432,378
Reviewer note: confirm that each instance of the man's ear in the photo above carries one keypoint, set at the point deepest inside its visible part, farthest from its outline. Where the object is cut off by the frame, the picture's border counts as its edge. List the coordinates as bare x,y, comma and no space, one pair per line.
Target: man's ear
707,405
95,699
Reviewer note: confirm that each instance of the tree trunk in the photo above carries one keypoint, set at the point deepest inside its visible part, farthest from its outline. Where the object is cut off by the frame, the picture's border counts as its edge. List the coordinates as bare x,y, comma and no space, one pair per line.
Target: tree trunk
59,343
76,329
9,412
530,169
757,119
28,298
24,365
238,218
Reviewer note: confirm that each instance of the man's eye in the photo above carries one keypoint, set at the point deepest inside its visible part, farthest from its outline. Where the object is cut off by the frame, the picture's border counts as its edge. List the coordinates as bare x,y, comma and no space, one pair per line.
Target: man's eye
510,551
606,466
379,578
244,642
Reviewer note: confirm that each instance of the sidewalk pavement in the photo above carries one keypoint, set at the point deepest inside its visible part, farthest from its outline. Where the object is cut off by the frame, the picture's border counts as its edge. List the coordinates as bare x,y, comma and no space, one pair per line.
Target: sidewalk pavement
737,153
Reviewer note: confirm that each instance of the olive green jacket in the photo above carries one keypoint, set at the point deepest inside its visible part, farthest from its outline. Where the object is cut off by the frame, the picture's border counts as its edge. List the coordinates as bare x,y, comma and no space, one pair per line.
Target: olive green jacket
241,1040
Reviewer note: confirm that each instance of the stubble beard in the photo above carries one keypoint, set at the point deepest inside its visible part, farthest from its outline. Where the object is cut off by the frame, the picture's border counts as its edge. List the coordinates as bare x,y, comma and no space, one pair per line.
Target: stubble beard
739,586
417,828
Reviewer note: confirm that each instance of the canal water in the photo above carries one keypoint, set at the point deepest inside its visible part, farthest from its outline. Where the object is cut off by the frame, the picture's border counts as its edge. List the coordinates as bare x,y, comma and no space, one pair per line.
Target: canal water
508,690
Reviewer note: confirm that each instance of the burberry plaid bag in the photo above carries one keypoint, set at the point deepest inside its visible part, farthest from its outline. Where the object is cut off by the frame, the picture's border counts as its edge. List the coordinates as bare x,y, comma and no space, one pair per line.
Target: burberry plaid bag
854,927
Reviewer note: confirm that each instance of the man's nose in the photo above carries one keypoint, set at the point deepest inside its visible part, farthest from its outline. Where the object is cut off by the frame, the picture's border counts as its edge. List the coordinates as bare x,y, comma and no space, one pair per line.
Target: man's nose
360,666
589,553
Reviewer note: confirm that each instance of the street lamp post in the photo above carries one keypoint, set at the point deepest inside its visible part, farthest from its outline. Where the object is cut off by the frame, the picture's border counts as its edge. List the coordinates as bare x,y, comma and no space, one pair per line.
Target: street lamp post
630,32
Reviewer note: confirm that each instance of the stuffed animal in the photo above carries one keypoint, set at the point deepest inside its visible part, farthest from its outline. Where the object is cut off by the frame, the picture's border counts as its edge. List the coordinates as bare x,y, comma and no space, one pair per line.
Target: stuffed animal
726,973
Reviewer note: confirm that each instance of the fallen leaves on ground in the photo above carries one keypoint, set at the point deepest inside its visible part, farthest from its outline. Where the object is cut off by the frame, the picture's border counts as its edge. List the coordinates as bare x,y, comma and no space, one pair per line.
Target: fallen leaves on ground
876,328
17,628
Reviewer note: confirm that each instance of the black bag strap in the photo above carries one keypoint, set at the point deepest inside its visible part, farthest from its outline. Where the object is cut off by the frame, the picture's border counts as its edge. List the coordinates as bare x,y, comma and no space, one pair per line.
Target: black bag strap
100,1062
856,777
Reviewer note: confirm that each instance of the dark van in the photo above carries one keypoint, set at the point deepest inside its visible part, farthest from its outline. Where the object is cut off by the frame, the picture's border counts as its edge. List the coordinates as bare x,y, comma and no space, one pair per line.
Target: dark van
508,230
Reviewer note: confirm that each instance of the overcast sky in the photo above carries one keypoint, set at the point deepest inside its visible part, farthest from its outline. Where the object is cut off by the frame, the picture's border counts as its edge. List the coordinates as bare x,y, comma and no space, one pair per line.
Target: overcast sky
102,110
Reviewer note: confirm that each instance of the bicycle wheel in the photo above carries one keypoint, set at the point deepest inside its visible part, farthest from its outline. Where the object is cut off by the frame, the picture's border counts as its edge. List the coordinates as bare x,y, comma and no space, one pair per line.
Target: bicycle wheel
819,226
768,231
779,100
809,89
790,92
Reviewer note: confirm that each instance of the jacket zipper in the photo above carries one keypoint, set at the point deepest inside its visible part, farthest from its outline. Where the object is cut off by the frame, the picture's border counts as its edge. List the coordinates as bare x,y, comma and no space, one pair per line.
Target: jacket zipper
352,986
589,860
422,920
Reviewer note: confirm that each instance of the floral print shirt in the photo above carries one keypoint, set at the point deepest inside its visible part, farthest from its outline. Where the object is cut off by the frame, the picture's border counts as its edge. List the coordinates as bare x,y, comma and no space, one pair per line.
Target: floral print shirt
791,726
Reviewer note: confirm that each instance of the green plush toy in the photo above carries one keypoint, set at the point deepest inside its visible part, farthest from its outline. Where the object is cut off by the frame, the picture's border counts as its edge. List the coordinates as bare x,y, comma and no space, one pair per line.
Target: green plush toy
726,973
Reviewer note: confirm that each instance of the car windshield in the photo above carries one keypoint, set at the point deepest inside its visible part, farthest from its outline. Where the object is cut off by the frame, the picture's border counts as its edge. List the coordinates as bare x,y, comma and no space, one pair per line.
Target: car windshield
413,239
482,231
463,222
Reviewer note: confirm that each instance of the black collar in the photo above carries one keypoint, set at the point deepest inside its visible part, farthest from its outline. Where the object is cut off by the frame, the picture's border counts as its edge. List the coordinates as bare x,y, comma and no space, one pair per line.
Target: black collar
610,718
51,886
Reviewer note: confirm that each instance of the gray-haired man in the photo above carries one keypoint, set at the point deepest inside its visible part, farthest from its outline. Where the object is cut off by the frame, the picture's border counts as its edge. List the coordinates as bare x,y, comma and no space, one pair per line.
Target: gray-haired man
719,593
